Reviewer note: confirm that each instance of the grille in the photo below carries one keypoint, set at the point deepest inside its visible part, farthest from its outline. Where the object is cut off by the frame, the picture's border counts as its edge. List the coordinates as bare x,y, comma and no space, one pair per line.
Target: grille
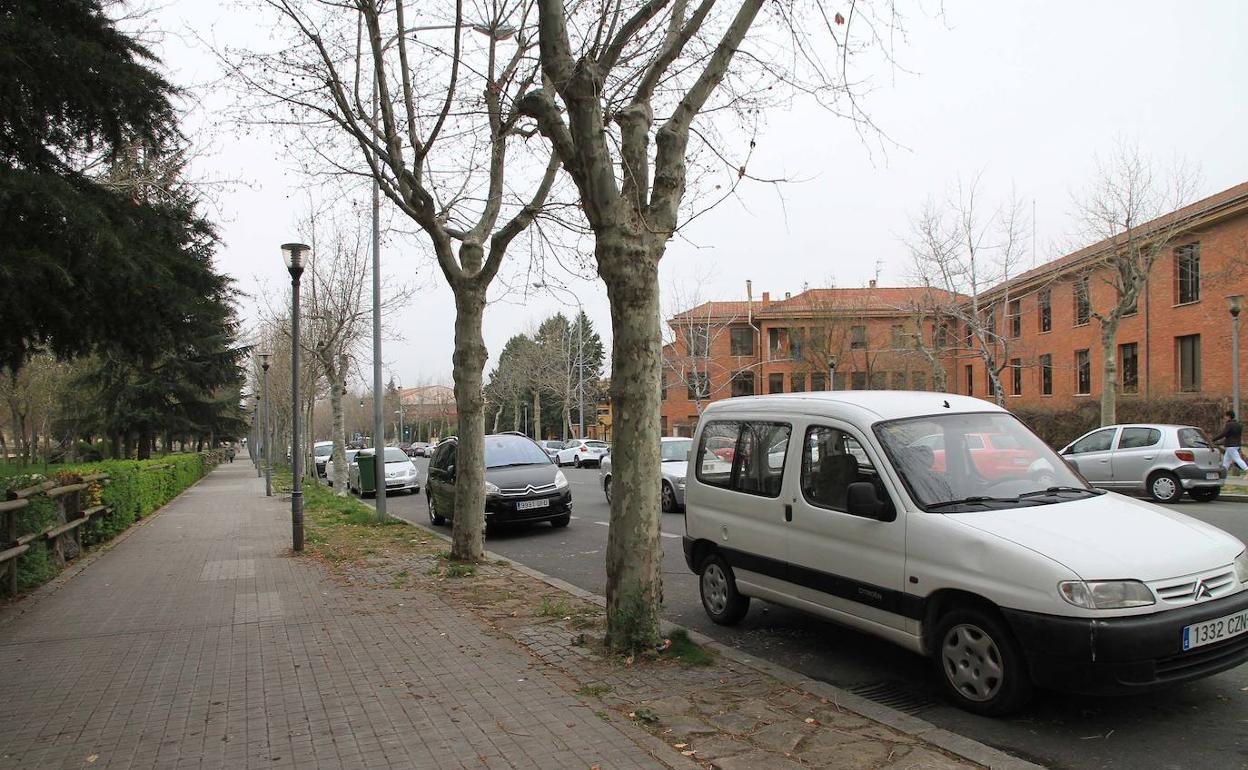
1196,662
1182,590
894,695
528,490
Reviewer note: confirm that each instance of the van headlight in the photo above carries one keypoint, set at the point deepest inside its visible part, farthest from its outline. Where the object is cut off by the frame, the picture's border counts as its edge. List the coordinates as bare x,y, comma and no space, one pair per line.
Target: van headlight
1105,594
1241,567
491,488
561,481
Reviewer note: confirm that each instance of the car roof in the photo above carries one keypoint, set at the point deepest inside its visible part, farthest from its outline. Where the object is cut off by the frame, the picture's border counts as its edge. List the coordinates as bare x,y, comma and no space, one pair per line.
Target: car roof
866,405
323,443
670,439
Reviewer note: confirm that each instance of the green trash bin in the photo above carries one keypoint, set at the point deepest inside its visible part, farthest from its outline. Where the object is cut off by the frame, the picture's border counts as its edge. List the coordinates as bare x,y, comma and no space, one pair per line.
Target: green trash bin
365,460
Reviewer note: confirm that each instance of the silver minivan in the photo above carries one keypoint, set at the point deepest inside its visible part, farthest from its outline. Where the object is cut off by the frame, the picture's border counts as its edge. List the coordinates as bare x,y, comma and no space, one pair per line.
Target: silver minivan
1163,460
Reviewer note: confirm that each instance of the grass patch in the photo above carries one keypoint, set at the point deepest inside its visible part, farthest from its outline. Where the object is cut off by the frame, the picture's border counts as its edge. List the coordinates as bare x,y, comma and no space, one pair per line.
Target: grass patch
557,609
596,689
459,570
687,651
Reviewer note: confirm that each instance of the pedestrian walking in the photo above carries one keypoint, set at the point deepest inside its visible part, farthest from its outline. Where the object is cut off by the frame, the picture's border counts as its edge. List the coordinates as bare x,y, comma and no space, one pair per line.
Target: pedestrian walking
1231,437
229,453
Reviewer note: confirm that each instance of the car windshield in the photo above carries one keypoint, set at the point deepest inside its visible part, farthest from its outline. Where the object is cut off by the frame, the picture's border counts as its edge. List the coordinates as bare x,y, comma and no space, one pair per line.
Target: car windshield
396,455
947,465
676,450
324,450
501,451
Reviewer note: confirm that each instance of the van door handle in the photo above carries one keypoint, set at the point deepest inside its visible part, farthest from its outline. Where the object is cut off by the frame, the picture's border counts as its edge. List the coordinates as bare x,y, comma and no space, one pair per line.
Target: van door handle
788,512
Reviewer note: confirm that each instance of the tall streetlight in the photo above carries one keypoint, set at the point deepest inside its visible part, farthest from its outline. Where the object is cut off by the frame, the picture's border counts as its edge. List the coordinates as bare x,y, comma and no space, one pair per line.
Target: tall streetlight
294,255
268,448
1234,303
399,412
580,354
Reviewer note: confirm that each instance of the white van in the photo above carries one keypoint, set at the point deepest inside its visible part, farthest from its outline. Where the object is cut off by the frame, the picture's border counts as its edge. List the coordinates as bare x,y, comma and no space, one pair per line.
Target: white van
941,523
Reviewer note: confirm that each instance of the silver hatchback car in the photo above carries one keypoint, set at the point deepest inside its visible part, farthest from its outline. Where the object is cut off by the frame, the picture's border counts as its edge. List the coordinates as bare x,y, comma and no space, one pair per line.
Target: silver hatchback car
674,461
1163,460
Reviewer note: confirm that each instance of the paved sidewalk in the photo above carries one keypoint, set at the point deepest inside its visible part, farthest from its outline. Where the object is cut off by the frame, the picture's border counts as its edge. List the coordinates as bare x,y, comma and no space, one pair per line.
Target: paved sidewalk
199,642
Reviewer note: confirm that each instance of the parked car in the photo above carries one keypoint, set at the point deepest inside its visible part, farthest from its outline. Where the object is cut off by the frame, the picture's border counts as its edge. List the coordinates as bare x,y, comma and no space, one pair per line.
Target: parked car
579,451
1028,577
417,449
401,473
994,455
673,465
551,448
321,451
1163,460
521,483
329,465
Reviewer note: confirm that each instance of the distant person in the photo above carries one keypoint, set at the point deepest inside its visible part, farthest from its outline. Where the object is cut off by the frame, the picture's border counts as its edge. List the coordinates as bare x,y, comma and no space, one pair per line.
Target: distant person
229,453
1231,437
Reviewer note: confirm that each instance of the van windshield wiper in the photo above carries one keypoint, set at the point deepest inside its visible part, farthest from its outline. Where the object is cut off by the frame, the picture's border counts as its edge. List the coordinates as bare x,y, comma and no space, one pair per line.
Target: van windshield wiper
1059,490
974,499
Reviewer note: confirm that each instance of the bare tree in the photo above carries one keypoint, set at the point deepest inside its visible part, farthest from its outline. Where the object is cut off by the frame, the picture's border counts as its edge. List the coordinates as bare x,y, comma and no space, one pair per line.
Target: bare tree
1131,212
959,249
444,142
690,336
617,77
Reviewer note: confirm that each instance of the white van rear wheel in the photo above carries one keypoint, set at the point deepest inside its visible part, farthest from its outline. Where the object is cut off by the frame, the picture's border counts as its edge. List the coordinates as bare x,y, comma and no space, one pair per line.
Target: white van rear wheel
718,587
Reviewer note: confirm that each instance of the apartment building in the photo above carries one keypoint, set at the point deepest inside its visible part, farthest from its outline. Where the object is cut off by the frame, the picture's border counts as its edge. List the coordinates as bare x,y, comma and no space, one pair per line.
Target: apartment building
1043,324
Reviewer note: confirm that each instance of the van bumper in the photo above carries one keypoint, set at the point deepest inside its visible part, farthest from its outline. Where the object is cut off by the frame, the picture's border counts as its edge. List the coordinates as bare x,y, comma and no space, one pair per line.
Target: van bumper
1125,655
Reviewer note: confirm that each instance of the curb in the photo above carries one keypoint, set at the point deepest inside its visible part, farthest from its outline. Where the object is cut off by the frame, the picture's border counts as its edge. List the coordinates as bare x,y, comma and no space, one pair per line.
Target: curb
955,744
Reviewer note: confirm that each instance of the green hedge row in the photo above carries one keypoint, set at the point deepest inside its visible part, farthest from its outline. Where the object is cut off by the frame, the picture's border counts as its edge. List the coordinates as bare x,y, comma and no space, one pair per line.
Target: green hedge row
135,488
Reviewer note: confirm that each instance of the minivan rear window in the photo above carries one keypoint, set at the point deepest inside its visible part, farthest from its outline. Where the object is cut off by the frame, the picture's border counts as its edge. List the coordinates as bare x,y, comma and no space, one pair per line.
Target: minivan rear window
744,455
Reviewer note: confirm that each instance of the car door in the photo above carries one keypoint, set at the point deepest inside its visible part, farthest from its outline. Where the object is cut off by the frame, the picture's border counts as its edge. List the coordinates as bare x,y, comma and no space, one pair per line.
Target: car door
1093,456
845,563
1135,452
441,480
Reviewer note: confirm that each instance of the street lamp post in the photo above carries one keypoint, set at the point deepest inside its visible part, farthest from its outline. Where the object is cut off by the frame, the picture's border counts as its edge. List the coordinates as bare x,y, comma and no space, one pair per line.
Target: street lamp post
294,254
1235,302
399,412
268,449
831,372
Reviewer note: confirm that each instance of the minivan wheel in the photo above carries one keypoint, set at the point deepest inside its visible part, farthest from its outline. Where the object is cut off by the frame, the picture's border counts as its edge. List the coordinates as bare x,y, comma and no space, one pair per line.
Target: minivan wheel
1205,495
668,498
979,664
718,588
434,517
1164,487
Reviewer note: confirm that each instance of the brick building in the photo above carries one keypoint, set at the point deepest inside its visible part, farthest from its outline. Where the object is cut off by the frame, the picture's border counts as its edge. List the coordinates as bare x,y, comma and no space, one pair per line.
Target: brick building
1176,344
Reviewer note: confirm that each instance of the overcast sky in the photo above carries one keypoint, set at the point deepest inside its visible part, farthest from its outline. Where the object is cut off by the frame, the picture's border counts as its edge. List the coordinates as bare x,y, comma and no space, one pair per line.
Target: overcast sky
1025,93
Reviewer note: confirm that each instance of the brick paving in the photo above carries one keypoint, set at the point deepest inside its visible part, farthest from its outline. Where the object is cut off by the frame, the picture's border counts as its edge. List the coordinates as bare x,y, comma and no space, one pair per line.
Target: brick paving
199,642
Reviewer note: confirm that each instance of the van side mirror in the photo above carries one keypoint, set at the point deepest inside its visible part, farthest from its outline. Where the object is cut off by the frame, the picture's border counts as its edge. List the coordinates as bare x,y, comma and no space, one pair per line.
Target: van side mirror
861,500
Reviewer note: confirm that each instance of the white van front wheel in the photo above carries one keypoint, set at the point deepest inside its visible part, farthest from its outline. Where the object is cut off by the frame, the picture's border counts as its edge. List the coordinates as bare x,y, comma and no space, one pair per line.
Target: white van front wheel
718,587
980,664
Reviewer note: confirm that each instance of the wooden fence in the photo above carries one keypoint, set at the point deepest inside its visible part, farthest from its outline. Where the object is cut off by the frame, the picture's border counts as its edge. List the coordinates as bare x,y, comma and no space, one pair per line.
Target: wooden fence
63,538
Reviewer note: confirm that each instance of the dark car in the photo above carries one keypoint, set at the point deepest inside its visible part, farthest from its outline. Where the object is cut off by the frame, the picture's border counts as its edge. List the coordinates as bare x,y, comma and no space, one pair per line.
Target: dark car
521,483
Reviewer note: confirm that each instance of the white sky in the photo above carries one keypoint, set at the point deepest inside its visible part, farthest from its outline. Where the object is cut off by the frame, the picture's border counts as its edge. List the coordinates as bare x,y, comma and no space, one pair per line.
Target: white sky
1024,92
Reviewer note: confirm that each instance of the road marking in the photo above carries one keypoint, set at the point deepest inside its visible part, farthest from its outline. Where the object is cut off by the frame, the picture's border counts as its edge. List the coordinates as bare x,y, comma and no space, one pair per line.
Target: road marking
662,534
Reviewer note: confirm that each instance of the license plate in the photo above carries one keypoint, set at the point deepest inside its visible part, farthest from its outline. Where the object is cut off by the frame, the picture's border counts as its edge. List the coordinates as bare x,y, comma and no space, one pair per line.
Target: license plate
1210,631
1213,475
525,505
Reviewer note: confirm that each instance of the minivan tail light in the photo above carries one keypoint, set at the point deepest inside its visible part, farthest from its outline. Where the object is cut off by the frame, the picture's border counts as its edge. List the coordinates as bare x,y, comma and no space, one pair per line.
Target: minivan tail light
1186,455
584,449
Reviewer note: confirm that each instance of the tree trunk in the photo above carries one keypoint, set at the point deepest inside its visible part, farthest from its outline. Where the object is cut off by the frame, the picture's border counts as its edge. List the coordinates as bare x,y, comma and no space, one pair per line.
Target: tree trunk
467,536
337,383
634,554
145,446
1109,372
537,415
515,414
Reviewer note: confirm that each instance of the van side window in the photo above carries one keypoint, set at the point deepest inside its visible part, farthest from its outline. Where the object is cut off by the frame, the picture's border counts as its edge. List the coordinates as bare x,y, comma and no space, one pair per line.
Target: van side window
831,461
744,456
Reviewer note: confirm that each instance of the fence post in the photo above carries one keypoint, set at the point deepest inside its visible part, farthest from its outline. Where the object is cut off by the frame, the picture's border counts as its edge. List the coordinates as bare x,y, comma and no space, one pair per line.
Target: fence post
10,540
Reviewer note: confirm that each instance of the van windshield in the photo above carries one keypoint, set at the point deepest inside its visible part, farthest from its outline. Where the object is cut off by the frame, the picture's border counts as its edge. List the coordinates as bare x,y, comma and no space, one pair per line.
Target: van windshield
973,462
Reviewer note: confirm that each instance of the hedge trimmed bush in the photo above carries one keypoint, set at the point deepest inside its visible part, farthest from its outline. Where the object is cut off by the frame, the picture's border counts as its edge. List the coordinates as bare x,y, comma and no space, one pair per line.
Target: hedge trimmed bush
135,489
1059,428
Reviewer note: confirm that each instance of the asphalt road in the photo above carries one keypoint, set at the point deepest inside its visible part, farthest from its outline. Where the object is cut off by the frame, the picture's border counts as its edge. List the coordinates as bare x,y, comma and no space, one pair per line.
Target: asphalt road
1199,725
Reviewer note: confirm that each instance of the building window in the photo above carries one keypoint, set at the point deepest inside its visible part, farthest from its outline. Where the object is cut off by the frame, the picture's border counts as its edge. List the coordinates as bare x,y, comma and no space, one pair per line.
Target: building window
773,344
775,383
898,335
799,382
1129,367
1189,362
988,378
970,380
1187,273
858,380
918,380
699,386
1083,303
1046,375
899,381
857,337
941,335
990,320
1045,300
797,343
970,336
742,341
663,388
1016,376
818,381
1015,313
743,384
698,340
1083,372
879,380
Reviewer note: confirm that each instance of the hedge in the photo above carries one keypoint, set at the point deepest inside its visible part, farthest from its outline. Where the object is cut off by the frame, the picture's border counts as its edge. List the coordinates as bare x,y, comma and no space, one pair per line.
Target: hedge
135,488
1059,427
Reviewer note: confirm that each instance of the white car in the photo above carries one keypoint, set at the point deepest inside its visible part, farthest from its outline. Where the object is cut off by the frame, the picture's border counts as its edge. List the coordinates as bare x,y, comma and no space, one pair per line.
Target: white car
579,451
999,562
321,452
329,465
401,473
